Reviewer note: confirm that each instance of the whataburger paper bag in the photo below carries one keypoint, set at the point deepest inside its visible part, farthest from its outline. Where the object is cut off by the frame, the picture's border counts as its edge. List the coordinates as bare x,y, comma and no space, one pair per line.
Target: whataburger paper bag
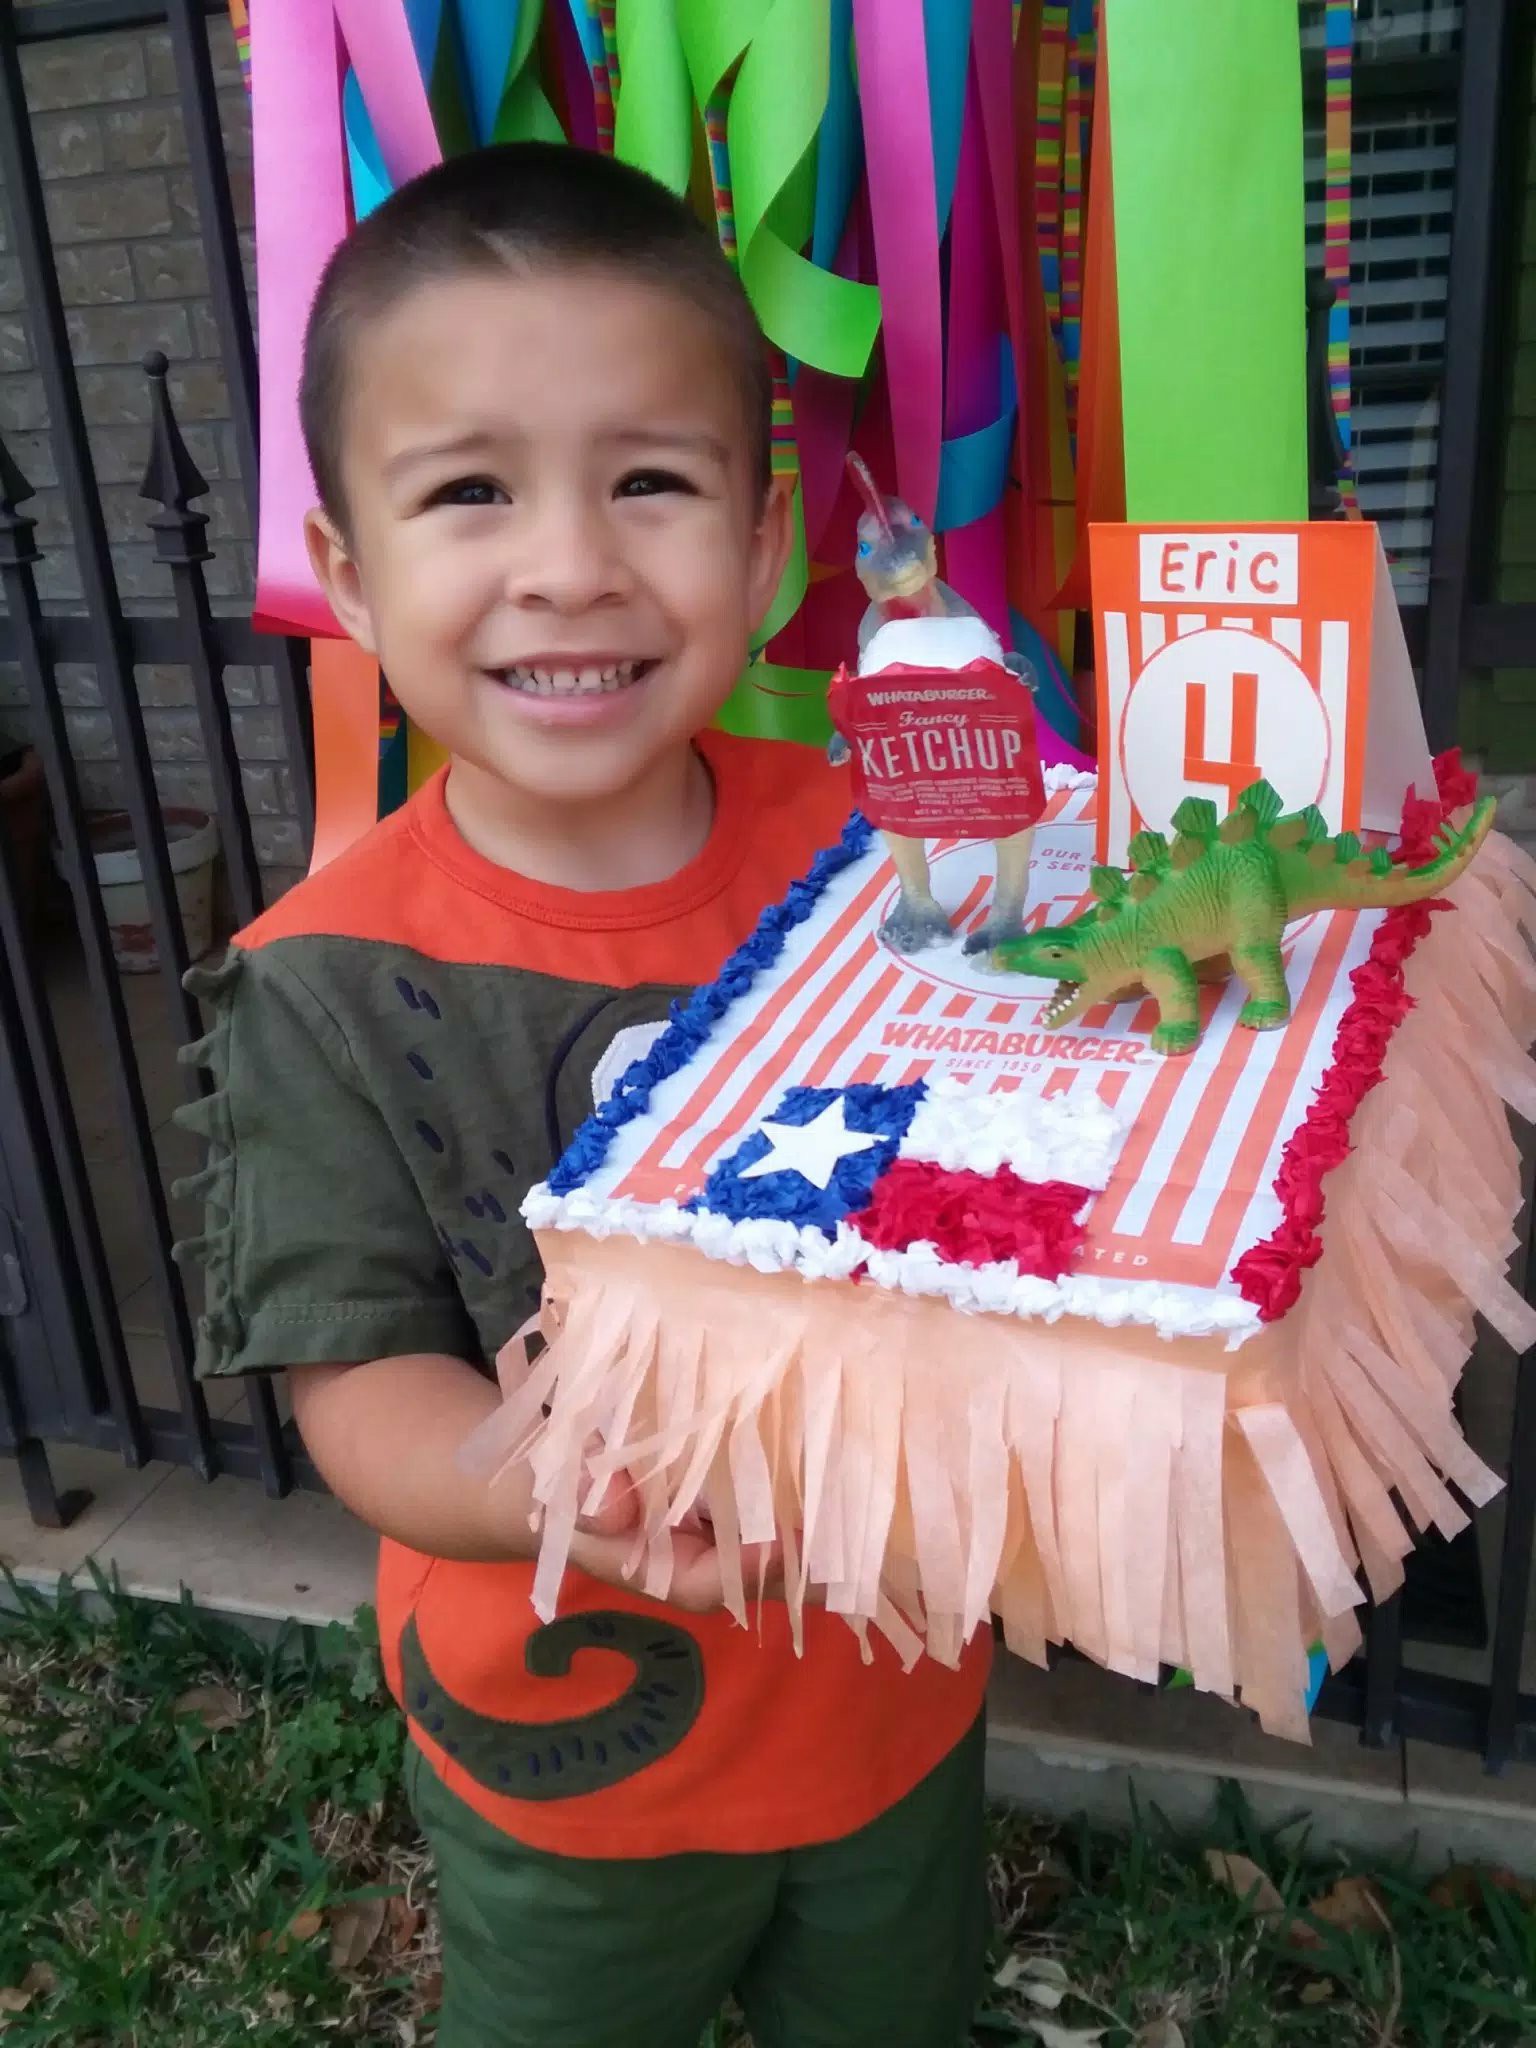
1226,653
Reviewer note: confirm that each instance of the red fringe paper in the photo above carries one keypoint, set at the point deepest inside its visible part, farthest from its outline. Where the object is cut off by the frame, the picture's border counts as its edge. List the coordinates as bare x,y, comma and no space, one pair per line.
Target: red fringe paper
1269,1274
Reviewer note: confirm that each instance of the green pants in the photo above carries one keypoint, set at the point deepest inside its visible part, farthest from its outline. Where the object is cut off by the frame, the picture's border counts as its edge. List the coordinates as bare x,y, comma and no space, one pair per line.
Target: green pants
878,1938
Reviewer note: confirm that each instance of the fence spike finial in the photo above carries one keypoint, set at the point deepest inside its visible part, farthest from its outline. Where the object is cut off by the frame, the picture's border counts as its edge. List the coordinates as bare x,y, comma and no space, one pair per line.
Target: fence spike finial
171,477
14,488
18,548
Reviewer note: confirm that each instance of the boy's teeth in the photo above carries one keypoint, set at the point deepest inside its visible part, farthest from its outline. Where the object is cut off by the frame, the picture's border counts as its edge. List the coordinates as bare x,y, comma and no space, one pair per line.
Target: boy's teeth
572,682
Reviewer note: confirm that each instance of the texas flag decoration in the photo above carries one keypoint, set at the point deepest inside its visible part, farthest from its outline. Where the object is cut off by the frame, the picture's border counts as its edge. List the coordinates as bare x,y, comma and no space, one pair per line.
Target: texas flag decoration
978,1179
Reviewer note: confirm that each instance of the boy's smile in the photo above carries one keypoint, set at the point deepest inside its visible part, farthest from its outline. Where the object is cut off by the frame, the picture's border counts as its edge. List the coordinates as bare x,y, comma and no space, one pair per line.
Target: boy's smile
556,544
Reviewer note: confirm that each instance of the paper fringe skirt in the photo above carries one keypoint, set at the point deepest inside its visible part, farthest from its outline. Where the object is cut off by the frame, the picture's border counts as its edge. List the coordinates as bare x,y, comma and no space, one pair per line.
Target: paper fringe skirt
1152,1502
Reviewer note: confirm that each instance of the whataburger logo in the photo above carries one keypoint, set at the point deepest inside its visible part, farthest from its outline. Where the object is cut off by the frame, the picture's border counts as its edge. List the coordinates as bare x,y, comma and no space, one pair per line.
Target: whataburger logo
981,1042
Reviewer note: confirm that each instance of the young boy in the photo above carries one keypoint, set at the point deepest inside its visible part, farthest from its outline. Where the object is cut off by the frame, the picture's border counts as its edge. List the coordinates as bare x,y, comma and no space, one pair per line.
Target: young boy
537,411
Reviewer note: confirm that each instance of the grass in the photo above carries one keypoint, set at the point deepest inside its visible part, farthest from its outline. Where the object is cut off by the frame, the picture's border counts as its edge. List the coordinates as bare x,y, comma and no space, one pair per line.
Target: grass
202,1842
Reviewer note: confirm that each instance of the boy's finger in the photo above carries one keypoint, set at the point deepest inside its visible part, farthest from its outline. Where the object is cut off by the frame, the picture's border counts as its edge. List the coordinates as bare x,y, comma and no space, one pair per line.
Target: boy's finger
612,1509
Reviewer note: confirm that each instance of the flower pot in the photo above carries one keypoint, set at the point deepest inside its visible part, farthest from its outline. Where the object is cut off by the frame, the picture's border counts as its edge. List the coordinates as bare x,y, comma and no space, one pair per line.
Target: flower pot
192,840
24,800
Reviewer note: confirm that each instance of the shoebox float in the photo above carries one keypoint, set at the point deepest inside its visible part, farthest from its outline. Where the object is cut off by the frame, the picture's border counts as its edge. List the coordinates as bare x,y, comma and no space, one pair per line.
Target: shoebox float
1106,1265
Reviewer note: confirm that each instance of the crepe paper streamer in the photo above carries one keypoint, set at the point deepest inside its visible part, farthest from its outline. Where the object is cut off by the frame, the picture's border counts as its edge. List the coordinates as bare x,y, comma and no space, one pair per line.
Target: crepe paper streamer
240,22
525,114
570,68
423,756
1075,138
394,752
776,702
371,184
778,96
1101,489
653,127
1050,108
947,39
839,148
436,54
783,462
582,15
1317,1671
898,153
1339,33
992,66
382,49
301,213
973,467
583,19
344,697
1054,701
490,31
1210,258
980,392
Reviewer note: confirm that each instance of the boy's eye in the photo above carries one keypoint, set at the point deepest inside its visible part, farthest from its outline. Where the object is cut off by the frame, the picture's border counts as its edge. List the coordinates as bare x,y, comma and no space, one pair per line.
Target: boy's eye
469,490
652,483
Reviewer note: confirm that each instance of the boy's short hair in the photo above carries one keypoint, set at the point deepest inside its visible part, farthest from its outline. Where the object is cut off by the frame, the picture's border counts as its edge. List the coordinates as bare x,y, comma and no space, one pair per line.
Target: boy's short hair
523,207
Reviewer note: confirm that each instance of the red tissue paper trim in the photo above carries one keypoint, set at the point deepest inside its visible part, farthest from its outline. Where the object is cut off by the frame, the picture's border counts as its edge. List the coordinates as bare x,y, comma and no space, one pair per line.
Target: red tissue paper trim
975,1219
1269,1274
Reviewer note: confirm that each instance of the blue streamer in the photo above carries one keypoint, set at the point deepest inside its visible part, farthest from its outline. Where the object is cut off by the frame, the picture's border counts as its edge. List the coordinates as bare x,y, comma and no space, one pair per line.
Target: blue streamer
947,37
840,143
589,29
974,467
365,159
487,36
1054,698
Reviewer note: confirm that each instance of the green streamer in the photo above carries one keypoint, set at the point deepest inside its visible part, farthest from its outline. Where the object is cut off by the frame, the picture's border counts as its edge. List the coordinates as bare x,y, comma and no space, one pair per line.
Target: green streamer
446,97
792,584
1210,257
654,127
777,101
771,702
525,115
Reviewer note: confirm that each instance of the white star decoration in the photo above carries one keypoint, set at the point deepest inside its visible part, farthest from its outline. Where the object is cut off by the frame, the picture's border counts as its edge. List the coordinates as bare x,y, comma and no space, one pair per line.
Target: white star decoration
812,1150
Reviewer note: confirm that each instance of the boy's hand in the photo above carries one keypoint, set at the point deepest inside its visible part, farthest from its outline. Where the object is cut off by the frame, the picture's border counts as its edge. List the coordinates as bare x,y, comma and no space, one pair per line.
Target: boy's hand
698,1582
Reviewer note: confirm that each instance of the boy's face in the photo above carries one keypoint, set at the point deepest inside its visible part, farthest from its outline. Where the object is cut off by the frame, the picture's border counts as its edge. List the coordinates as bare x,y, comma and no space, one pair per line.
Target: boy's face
558,547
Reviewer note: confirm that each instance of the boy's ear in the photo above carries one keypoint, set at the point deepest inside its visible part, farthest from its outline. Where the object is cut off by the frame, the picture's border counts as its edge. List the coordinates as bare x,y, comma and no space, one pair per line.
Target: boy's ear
336,573
771,545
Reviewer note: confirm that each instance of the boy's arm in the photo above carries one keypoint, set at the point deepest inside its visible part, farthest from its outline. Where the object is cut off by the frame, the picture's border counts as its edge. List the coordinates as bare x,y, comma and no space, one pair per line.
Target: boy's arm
386,1439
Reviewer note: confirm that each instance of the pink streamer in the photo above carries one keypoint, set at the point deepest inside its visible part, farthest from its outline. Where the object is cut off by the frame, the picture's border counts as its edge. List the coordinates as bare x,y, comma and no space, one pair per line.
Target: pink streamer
301,214
898,149
378,40
974,555
992,79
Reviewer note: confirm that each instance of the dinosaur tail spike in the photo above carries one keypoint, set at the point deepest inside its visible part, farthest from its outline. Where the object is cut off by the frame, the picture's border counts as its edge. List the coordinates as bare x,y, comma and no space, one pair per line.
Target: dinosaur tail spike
1364,884
858,469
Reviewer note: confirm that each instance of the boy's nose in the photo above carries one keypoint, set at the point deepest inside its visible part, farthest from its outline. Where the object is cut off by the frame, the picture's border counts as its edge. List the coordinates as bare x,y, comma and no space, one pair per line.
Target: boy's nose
566,560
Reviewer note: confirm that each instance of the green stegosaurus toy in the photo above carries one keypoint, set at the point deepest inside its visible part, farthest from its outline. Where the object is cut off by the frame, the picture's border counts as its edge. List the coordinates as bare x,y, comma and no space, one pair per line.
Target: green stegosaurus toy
1216,902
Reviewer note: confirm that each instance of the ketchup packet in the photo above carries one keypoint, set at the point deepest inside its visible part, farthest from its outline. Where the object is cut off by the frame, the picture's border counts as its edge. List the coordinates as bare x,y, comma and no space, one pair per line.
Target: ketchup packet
941,752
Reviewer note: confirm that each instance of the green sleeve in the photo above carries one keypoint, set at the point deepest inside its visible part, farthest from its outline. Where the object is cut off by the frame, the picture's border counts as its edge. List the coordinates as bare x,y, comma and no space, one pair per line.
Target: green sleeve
317,1246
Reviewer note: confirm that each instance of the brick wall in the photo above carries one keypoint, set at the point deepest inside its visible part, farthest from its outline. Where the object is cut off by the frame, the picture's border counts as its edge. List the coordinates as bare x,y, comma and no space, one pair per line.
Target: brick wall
122,210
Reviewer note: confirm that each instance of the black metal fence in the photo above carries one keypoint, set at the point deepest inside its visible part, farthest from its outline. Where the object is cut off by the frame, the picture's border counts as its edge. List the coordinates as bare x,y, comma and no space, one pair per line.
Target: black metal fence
64,1366
65,1369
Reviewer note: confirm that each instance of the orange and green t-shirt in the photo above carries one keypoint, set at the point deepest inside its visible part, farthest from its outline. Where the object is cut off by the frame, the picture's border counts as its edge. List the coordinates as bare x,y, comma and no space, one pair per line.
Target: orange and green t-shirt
401,1048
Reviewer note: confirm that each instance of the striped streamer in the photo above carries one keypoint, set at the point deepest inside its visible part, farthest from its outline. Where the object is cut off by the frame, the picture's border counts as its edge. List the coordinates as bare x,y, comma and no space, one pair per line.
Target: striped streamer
1338,170
1050,106
240,22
